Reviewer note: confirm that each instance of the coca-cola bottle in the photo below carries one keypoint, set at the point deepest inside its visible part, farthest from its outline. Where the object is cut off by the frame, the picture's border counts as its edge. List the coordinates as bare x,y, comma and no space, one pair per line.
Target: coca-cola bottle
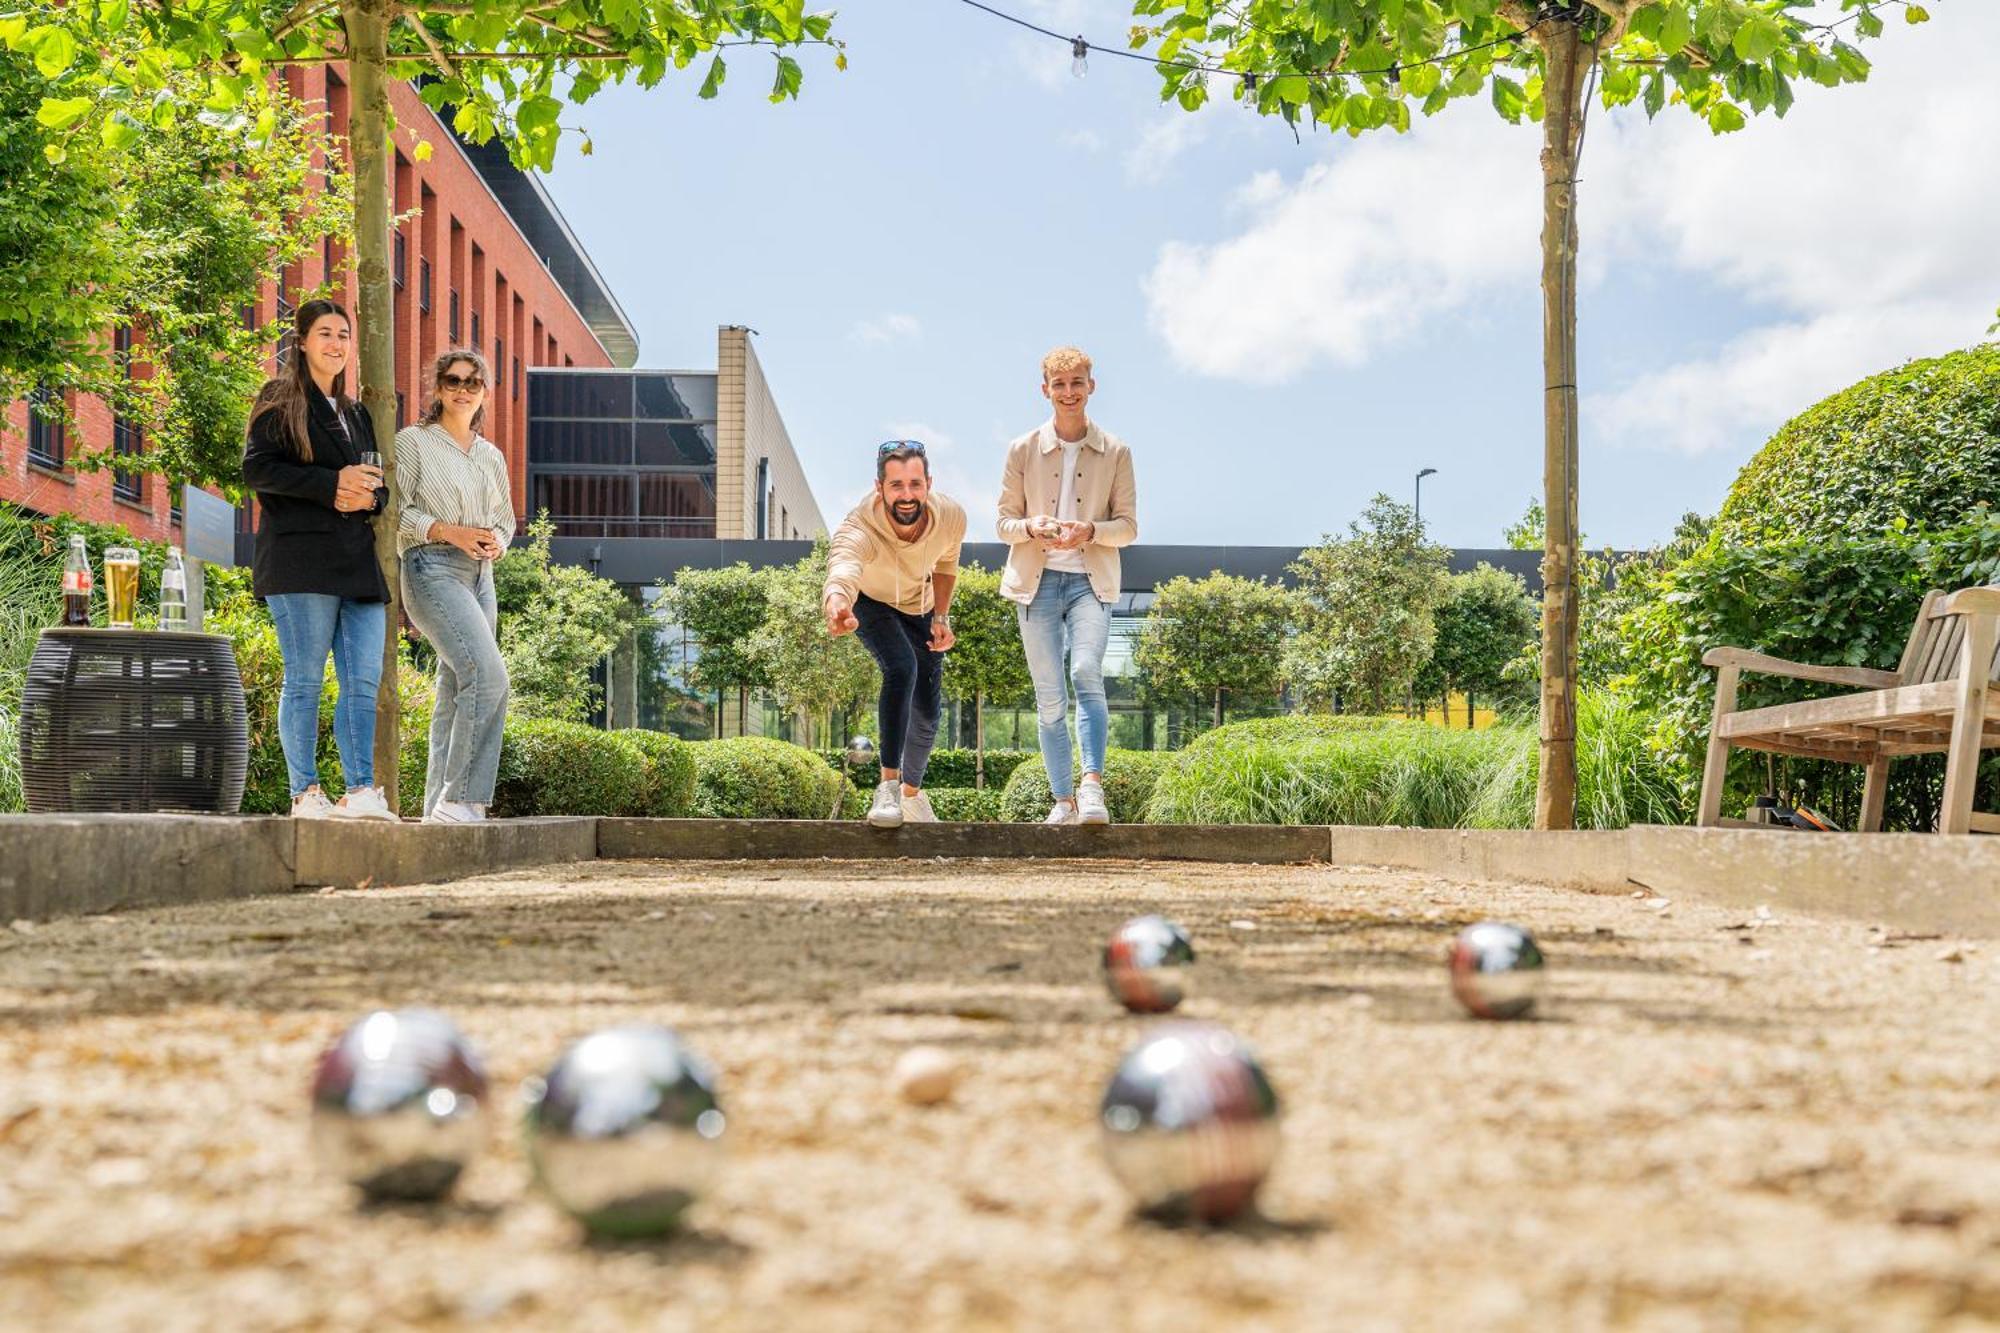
77,583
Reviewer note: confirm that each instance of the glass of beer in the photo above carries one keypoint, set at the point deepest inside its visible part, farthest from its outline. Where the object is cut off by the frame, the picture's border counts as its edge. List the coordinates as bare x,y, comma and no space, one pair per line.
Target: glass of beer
121,585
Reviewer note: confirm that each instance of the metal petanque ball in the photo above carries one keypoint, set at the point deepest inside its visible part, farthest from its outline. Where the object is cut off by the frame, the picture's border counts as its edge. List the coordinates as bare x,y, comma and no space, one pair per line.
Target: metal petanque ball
1496,970
624,1131
860,750
1146,964
1190,1124
399,1105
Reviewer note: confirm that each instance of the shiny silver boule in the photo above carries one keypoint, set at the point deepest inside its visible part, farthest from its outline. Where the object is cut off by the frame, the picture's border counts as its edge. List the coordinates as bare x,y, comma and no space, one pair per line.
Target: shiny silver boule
399,1105
1190,1124
1496,970
860,750
624,1132
1146,964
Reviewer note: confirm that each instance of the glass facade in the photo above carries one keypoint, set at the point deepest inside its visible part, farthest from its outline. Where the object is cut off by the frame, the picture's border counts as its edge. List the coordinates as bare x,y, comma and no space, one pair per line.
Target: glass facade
617,453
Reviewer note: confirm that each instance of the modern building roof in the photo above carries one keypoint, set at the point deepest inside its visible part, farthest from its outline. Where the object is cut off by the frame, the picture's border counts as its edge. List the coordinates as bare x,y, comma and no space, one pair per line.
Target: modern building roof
544,228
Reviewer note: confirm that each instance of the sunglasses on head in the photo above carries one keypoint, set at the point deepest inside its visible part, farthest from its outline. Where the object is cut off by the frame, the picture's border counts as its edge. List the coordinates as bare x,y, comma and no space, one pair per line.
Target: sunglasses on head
451,382
891,446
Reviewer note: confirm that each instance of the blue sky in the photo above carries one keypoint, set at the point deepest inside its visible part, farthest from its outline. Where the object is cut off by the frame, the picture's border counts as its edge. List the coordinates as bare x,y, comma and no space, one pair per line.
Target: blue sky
1283,329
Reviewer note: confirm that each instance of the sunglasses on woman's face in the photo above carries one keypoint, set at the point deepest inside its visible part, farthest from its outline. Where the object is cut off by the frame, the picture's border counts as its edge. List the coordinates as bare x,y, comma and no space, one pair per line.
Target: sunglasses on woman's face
452,383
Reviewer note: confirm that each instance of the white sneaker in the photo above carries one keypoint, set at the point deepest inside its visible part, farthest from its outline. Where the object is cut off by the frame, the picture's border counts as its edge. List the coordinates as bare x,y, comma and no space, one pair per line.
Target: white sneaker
364,803
1060,813
917,809
1090,807
311,804
454,812
887,810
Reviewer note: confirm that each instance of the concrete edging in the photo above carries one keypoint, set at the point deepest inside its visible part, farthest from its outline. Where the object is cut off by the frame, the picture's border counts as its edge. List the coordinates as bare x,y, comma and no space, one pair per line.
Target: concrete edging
65,865
848,839
348,852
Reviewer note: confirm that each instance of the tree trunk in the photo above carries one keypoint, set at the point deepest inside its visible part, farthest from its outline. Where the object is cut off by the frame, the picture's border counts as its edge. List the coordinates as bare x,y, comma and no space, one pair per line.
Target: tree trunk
1218,707
367,23
1469,723
979,740
1555,787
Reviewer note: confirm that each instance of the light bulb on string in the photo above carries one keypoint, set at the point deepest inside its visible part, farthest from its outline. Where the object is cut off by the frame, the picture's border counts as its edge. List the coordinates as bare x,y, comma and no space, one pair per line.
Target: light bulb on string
1079,52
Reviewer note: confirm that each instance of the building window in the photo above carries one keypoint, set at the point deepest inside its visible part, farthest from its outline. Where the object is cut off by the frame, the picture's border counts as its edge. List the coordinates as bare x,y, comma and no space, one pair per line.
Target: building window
424,284
399,261
621,454
326,258
517,379
250,315
476,342
45,434
127,482
499,365
173,504
288,337
451,321
401,418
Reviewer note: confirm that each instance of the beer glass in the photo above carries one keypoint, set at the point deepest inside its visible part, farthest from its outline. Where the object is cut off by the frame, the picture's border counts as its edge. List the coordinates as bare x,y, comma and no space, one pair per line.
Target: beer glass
121,585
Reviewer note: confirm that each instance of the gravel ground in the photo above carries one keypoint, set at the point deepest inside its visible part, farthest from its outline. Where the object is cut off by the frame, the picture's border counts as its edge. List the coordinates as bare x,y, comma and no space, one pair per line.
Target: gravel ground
1724,1120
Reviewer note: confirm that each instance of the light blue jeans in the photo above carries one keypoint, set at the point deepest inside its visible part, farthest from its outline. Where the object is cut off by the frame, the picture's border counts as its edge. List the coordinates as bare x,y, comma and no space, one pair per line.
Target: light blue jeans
310,625
449,598
1065,613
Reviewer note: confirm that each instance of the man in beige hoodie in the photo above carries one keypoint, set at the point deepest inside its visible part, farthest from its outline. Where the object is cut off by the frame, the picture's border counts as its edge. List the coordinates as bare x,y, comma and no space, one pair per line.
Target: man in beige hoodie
1068,503
889,578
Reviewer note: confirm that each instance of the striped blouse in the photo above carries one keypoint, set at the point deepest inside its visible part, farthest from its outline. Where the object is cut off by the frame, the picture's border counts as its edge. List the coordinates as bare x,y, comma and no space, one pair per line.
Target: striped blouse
437,482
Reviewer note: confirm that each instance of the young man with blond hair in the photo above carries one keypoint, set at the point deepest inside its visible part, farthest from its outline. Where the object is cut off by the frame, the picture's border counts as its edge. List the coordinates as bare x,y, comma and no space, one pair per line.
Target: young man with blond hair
889,578
1068,502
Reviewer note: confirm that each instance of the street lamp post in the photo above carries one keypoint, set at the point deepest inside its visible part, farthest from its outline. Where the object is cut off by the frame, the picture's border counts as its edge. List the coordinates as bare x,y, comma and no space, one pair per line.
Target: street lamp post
1429,471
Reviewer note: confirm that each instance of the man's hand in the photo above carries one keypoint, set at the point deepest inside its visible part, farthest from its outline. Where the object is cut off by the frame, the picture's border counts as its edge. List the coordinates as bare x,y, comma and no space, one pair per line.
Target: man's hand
942,637
840,617
355,489
1072,536
1043,528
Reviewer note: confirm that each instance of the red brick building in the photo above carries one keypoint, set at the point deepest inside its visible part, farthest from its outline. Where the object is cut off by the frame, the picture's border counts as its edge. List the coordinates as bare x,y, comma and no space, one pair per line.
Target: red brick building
484,259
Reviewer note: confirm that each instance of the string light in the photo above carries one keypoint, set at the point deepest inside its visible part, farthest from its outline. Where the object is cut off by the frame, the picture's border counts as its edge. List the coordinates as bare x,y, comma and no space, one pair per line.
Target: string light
1079,52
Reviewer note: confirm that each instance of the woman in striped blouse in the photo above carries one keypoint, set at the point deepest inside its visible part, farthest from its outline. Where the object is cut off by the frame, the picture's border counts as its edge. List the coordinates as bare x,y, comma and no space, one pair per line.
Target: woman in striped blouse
455,518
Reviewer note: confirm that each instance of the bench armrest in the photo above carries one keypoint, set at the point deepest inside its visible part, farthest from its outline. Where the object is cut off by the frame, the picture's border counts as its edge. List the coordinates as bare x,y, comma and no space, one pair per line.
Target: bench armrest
1866,678
1970,602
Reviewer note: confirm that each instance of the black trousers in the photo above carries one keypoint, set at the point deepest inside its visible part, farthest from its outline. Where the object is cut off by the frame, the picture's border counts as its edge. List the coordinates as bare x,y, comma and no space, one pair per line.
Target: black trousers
912,684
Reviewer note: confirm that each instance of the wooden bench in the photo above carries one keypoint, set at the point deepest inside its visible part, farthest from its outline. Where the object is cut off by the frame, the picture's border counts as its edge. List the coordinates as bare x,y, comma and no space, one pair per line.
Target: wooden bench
1943,698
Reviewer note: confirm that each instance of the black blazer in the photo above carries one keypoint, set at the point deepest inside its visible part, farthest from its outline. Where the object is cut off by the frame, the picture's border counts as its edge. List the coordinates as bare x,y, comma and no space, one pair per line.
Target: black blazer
304,544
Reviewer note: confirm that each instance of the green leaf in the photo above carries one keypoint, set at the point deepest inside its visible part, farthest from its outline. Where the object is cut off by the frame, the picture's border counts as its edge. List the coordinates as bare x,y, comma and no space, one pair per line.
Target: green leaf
1676,28
55,153
1916,14
1509,98
712,85
120,131
53,49
1656,94
59,113
1759,36
1723,118
1292,89
789,76
1869,24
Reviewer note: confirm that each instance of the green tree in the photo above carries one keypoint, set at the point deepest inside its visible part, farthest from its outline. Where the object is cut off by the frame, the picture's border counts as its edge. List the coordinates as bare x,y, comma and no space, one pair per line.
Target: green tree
557,622
1486,621
806,669
1527,532
987,664
1209,639
498,67
1359,65
1367,611
722,609
167,241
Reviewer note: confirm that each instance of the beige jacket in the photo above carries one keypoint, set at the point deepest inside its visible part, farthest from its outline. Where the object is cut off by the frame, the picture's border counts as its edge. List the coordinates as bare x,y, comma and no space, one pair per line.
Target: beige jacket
868,557
1105,495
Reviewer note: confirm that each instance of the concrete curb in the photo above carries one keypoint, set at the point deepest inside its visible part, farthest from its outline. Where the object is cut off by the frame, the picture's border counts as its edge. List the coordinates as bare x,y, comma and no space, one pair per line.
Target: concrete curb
771,839
349,852
66,865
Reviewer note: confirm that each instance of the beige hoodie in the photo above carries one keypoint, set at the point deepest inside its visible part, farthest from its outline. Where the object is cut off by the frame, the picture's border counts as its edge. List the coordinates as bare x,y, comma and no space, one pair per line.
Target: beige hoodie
868,557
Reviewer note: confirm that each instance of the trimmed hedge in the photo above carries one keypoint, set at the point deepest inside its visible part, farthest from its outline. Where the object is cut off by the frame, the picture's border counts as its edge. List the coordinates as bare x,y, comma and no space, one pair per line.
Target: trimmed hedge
566,768
950,767
1128,786
966,805
670,777
756,777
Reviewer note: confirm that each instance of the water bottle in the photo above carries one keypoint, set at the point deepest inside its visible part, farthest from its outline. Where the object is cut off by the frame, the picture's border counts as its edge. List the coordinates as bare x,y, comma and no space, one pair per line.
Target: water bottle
173,592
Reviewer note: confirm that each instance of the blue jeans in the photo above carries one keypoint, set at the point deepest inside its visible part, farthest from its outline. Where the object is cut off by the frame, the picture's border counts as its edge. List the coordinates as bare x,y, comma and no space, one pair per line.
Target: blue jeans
1065,612
906,712
449,597
311,624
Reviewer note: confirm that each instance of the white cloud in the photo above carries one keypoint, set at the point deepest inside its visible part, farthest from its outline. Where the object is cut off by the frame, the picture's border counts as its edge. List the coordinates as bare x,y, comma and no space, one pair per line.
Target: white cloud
1088,141
1161,144
886,329
1862,223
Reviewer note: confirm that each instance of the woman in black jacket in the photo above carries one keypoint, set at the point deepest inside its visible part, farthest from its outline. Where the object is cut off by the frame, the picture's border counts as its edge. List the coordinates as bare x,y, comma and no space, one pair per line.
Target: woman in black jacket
315,563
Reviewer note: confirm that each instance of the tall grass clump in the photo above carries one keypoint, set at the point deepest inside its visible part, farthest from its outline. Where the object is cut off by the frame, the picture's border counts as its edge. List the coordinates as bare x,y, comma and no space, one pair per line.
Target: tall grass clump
30,598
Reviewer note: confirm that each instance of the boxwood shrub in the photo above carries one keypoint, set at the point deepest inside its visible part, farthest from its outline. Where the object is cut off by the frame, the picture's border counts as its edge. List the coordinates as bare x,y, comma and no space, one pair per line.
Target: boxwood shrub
566,768
948,767
669,773
1128,786
968,805
756,777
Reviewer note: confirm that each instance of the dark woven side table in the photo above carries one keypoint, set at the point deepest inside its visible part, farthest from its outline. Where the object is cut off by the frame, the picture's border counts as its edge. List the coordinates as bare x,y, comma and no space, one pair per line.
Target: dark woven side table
133,721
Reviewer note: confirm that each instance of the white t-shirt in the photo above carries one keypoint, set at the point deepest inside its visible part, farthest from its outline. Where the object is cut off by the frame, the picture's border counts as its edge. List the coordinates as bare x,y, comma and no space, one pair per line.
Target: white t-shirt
1066,510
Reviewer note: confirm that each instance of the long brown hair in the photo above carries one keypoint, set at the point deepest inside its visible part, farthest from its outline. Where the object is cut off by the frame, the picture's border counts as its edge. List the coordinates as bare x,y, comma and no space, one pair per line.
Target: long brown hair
435,408
287,392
